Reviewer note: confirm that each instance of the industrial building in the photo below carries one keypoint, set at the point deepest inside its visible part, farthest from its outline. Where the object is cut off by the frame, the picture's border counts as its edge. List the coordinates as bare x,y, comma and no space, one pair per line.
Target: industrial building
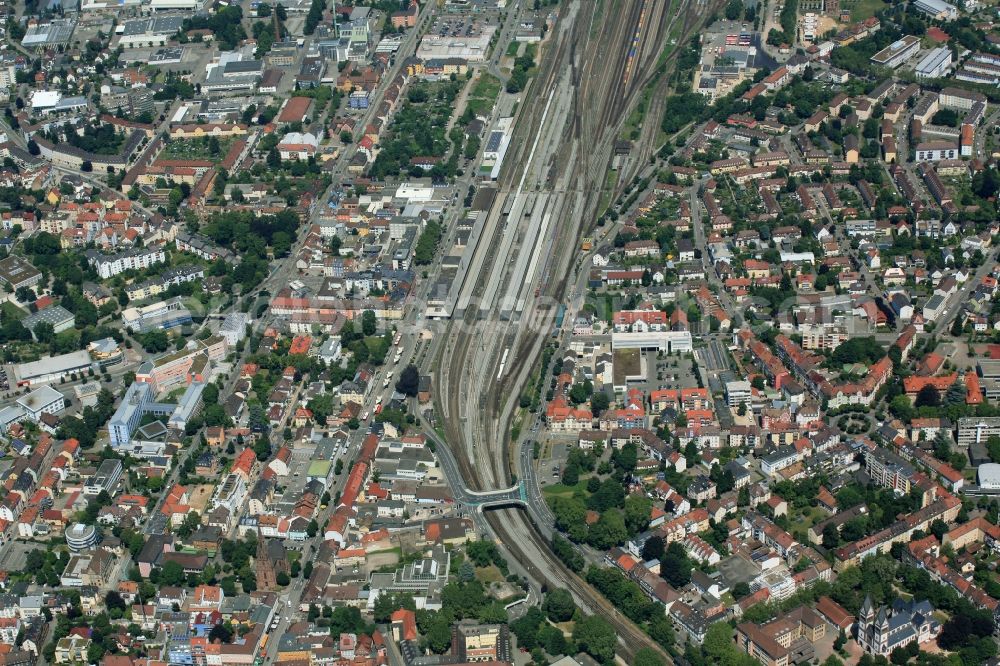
52,369
988,476
665,341
146,32
471,48
179,5
936,9
935,64
81,536
44,35
738,393
57,316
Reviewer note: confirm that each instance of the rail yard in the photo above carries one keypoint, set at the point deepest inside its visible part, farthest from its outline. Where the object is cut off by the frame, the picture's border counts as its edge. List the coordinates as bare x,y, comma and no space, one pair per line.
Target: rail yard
590,76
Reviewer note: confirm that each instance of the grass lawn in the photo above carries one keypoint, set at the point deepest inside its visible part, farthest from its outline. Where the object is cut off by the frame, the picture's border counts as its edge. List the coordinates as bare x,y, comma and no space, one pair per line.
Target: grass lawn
11,311
484,94
512,49
863,9
490,574
610,179
560,489
388,551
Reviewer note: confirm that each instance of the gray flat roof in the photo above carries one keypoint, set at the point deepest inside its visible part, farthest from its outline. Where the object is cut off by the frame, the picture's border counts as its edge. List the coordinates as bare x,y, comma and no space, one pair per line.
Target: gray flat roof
40,397
54,315
49,33
55,364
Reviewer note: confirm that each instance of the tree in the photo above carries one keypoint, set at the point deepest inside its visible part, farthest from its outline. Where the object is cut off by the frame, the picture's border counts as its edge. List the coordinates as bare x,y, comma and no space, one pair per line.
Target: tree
675,567
44,332
368,322
831,536
192,522
720,648
993,447
438,633
273,158
409,381
957,327
114,601
599,402
282,579
611,494
653,549
559,605
596,637
33,148
86,166
609,530
928,396
172,573
637,508
526,628
647,656
734,9
222,632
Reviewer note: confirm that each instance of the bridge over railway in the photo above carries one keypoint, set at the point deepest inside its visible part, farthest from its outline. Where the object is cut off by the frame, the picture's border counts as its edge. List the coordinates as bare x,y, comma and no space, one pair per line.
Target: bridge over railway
513,496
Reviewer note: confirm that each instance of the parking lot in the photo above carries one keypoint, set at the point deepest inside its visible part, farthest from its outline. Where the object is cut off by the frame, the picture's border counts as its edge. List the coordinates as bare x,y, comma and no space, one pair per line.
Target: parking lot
15,555
552,458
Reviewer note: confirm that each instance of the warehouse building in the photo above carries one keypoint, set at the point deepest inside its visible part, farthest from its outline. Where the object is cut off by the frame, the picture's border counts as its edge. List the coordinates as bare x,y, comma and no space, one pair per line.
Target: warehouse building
936,9
59,317
147,32
935,64
45,35
52,369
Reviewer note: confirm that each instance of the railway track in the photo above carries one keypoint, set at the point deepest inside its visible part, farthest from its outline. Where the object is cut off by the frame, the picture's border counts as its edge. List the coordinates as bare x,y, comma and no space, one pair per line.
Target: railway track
608,70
